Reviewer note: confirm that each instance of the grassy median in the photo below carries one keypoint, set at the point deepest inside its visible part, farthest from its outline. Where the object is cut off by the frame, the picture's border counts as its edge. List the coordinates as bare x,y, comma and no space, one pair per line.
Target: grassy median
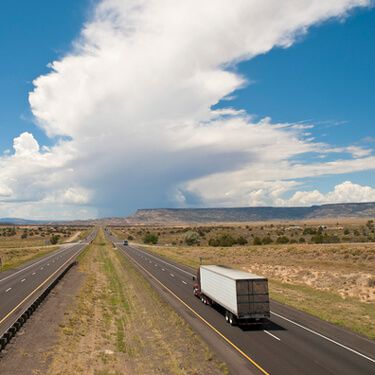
120,325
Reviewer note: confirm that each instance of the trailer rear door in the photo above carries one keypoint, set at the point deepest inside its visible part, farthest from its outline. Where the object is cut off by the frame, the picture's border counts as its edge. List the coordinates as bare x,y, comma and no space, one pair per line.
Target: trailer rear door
252,297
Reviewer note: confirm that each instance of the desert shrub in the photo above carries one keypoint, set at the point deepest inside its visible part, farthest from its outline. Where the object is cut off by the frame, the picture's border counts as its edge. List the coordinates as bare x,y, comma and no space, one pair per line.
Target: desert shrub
213,242
150,238
317,238
331,239
241,241
267,240
130,237
309,230
192,238
24,235
346,231
257,241
224,240
302,240
54,239
282,240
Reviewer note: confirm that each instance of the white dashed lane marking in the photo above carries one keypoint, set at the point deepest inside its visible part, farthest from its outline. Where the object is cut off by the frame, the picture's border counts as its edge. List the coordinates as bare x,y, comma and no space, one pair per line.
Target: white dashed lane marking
23,280
269,333
9,289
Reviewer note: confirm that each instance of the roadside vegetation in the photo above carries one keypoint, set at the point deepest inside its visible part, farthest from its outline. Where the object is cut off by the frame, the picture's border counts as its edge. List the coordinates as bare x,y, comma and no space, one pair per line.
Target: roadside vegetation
120,325
334,281
266,233
20,244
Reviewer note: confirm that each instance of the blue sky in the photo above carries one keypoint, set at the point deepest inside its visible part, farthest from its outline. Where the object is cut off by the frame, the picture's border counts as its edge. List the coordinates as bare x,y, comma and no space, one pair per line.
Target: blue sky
327,79
32,34
97,98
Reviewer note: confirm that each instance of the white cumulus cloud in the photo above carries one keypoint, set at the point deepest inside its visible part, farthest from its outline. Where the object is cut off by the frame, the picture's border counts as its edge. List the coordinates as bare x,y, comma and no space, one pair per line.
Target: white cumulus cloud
342,193
25,145
131,107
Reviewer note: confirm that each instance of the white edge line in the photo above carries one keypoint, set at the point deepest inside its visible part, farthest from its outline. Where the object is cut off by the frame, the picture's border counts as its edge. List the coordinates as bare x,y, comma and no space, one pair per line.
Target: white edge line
324,337
269,333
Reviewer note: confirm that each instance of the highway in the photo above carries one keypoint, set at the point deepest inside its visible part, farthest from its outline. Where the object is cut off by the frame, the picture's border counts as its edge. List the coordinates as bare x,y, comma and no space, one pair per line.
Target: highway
20,287
292,343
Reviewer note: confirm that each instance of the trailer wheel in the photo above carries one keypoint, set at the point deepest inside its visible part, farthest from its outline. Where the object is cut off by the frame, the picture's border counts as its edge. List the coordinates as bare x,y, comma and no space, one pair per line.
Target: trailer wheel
227,316
232,320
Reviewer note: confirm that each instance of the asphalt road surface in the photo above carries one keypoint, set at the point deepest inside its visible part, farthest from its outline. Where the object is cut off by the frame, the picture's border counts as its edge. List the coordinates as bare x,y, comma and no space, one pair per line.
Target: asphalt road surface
20,287
292,343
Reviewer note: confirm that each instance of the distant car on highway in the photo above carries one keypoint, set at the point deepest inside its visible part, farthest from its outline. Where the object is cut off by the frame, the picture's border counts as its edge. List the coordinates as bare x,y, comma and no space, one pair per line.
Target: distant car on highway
126,242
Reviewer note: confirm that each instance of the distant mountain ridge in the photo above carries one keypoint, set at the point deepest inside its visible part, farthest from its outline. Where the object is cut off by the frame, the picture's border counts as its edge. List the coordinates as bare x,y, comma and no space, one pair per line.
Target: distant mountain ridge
18,221
218,215
244,214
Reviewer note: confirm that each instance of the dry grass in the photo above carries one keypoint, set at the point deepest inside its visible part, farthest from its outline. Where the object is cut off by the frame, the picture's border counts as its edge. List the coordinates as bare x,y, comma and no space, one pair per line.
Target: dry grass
31,236
334,282
15,250
14,257
120,325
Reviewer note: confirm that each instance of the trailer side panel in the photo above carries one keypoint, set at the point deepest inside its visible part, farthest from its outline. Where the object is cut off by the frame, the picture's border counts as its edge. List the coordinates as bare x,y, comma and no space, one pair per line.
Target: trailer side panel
220,289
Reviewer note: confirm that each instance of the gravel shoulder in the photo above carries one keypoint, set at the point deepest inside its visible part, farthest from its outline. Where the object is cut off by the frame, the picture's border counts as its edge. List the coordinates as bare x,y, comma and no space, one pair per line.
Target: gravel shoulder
29,352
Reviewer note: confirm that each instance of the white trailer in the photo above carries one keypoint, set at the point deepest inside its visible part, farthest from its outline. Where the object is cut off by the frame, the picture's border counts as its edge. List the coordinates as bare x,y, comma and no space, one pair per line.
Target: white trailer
243,295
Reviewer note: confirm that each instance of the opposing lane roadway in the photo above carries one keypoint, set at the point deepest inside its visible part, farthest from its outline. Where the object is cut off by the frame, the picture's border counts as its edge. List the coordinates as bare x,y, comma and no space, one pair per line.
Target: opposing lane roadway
22,286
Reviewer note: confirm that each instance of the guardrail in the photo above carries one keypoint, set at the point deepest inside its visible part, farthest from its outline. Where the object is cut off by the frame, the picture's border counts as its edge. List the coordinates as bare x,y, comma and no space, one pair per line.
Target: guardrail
20,319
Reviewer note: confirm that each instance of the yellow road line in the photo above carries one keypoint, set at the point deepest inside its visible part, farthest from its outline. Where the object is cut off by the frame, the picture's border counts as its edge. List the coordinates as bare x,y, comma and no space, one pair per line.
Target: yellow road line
27,297
205,321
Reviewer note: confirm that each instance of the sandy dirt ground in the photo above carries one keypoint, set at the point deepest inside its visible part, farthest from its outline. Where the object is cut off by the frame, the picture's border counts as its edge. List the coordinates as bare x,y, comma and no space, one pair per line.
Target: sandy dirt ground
73,238
29,352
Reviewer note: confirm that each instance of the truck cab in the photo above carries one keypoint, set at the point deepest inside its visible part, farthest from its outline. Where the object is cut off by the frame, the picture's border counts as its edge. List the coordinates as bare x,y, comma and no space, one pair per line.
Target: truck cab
126,243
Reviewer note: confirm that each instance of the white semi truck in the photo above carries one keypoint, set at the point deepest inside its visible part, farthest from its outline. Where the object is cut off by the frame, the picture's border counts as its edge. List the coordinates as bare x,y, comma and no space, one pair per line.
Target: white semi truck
243,295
